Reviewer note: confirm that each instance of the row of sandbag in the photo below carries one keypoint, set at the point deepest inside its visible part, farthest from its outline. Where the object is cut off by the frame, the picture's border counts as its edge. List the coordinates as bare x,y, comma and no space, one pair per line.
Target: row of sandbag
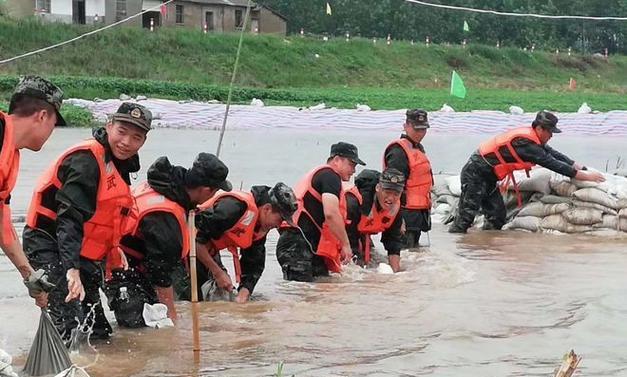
574,206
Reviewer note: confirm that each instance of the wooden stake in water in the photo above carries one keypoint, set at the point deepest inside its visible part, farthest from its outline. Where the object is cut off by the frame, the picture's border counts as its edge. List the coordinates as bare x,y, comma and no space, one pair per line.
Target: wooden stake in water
194,284
570,362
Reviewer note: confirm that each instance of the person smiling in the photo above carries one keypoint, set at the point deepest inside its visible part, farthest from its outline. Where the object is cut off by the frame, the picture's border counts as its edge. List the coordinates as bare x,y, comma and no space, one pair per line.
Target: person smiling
79,207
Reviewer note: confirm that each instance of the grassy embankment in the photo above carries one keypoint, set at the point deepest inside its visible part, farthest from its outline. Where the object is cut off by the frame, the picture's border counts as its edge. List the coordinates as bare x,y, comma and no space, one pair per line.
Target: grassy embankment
186,64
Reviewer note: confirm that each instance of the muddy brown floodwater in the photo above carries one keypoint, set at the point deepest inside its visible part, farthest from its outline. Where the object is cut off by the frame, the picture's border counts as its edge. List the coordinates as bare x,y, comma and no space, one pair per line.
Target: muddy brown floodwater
481,304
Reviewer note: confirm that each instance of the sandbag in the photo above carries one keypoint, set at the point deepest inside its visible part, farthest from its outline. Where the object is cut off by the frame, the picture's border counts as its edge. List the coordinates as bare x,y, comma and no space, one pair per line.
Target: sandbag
538,181
530,223
48,354
539,209
562,188
595,196
589,184
554,199
612,222
441,190
448,199
621,203
623,213
442,209
583,216
582,204
559,223
454,184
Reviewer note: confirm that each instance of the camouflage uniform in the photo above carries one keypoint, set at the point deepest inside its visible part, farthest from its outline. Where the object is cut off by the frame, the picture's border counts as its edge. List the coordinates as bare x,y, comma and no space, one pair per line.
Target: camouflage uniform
479,193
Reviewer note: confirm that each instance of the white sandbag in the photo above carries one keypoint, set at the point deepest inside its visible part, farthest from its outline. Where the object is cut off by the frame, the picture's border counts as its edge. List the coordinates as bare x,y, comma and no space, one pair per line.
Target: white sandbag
442,209
612,222
454,185
583,216
582,204
562,188
156,316
539,209
385,269
73,371
595,196
623,213
554,199
559,223
448,199
440,190
621,203
6,370
538,181
530,223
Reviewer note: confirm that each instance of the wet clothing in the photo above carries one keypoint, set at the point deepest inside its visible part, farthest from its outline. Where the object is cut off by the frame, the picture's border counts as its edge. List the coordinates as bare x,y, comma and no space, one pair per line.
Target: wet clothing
416,220
56,244
157,245
9,167
211,224
295,255
391,238
480,192
64,315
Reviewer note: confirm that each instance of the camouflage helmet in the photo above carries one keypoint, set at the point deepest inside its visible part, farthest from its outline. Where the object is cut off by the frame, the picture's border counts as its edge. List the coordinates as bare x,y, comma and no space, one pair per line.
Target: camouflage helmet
283,200
40,88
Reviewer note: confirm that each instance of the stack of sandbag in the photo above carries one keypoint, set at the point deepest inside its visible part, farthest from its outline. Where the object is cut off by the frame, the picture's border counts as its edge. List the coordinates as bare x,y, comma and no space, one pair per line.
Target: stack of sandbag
447,190
445,194
573,206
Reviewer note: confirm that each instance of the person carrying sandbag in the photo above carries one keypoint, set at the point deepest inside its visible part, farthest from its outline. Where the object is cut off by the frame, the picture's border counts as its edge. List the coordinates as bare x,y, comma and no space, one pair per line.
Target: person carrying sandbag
496,159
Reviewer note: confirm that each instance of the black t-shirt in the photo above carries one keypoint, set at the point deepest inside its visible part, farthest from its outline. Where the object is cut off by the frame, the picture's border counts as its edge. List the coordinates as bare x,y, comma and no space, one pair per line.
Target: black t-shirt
325,181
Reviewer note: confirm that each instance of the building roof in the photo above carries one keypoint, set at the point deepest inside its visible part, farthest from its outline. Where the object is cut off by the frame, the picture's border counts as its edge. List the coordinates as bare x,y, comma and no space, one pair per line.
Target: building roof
236,3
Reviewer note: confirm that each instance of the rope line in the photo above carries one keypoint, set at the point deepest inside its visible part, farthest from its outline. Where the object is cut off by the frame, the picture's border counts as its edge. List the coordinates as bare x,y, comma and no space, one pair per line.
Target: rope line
83,35
475,10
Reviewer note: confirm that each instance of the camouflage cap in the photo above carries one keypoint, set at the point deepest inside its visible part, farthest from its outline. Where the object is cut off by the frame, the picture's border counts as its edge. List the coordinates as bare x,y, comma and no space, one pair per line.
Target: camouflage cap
418,119
134,114
38,87
547,121
392,179
284,201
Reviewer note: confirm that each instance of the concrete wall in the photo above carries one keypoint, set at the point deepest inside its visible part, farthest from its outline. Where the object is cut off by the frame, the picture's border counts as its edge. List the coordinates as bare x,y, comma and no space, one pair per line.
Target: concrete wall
194,15
17,8
270,23
132,7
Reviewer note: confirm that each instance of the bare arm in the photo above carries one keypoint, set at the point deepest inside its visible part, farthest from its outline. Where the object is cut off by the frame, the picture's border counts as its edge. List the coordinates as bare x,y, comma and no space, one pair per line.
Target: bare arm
333,217
166,297
10,243
205,256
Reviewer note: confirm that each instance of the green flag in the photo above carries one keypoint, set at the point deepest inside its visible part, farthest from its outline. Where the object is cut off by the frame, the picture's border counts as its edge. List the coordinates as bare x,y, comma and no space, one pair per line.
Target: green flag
466,28
457,86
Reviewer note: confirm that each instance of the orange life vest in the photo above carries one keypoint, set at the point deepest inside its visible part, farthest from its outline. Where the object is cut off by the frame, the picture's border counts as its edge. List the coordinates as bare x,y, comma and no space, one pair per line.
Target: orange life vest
114,203
504,140
329,247
9,167
375,222
9,159
148,201
506,169
420,180
242,234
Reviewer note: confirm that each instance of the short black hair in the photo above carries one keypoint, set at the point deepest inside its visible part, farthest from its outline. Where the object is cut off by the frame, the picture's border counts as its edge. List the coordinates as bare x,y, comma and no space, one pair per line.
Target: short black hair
25,106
